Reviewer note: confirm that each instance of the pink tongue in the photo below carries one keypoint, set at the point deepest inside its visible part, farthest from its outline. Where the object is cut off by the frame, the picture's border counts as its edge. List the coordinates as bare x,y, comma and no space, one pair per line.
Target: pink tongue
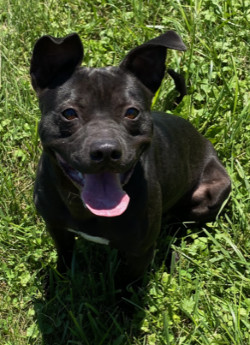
103,194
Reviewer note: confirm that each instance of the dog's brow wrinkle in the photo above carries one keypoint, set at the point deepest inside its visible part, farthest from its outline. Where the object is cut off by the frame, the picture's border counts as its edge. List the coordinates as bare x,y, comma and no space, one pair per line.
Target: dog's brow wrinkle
89,71
103,81
102,71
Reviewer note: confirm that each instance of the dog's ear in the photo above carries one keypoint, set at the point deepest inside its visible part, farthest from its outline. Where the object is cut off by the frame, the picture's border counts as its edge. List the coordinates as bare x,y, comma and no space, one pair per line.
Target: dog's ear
147,62
53,56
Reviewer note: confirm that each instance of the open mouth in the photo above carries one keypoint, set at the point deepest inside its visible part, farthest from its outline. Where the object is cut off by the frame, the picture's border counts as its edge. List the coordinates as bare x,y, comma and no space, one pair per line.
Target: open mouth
101,193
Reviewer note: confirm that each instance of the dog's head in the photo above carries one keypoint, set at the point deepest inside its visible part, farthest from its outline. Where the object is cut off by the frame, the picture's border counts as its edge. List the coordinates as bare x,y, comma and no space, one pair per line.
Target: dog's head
96,122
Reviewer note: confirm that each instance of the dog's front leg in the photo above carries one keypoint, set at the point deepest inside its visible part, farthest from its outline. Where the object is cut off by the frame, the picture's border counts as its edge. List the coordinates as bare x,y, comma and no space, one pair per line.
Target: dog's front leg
134,264
64,241
132,267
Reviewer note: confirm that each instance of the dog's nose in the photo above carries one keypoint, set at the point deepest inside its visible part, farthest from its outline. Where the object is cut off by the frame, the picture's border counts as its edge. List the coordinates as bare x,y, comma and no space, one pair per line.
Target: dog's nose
105,151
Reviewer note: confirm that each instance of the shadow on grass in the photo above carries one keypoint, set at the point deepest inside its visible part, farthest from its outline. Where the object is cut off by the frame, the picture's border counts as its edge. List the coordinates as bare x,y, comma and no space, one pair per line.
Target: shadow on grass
84,307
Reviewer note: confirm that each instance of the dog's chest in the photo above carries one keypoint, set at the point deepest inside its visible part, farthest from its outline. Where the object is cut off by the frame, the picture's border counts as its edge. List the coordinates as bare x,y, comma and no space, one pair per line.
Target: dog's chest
95,239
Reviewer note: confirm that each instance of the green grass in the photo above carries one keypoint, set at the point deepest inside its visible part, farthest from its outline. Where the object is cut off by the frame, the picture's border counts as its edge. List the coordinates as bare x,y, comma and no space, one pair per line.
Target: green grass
201,298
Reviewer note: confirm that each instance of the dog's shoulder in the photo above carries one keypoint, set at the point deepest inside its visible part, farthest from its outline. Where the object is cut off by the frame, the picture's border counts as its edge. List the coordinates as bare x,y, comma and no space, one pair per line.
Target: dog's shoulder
174,122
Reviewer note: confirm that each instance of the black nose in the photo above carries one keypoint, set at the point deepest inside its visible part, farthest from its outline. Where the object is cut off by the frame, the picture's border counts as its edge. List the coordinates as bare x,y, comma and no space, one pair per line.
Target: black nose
105,151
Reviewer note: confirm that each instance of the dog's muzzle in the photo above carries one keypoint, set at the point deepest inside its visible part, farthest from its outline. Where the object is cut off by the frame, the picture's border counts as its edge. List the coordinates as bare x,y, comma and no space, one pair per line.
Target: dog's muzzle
102,193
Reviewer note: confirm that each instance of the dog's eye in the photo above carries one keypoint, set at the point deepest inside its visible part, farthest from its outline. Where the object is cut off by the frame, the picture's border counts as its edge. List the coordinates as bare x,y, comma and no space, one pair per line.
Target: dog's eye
69,114
131,113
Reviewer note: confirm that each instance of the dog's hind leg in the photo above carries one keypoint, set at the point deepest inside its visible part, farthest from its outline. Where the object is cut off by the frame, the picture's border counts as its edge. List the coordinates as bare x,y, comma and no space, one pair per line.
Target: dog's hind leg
203,203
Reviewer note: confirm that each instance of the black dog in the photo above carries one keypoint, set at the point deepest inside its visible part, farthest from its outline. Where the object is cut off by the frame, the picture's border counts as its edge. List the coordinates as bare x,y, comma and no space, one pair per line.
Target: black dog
111,169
